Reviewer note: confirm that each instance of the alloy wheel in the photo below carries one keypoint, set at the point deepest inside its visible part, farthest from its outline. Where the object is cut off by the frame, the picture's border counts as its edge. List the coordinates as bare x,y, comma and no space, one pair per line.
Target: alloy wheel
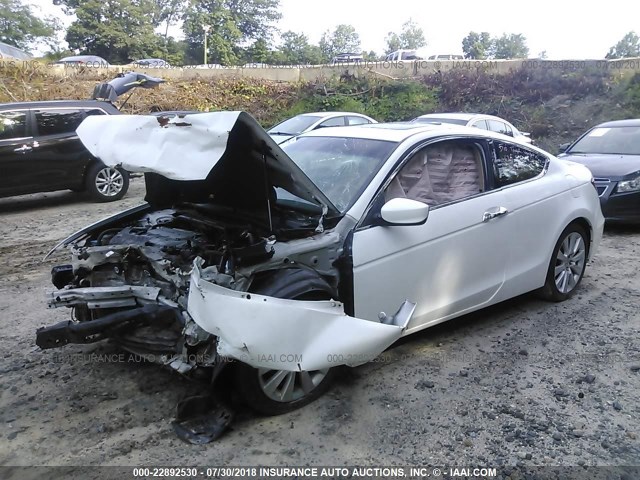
286,386
570,262
109,181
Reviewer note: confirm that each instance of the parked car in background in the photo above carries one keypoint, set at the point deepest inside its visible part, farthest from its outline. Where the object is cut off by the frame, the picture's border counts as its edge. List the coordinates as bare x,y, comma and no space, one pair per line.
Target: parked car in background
611,151
91,61
402,55
41,152
347,58
151,63
446,57
9,52
311,121
485,122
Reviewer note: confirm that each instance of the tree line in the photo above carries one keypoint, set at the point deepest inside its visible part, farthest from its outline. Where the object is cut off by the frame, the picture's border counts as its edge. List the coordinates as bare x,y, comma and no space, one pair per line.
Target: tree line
241,31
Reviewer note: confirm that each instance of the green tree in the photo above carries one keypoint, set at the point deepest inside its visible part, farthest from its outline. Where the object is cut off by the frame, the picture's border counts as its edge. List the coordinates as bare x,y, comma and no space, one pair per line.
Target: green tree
118,30
411,37
477,46
370,56
233,23
344,39
20,27
510,46
296,50
629,46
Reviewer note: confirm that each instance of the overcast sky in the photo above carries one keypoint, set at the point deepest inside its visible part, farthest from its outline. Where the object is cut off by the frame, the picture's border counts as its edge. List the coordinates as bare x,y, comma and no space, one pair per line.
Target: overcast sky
564,29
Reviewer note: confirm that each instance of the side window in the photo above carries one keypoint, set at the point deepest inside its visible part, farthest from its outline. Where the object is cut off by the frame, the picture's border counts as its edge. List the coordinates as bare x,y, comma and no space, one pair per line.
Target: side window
500,127
514,164
56,122
481,124
13,125
440,173
332,122
357,120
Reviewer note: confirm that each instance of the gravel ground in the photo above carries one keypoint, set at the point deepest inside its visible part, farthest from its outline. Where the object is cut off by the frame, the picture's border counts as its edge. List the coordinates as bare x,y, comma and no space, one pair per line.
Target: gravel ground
522,383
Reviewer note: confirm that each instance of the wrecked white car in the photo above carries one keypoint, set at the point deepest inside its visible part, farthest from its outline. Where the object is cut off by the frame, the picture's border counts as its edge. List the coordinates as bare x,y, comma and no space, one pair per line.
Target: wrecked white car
292,260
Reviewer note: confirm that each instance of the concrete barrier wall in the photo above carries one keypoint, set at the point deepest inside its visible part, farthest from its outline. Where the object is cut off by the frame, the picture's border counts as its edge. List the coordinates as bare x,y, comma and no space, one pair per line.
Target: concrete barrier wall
393,70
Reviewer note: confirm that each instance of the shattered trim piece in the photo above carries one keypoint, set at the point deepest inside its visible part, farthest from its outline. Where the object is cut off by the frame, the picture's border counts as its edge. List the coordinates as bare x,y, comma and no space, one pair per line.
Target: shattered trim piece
292,335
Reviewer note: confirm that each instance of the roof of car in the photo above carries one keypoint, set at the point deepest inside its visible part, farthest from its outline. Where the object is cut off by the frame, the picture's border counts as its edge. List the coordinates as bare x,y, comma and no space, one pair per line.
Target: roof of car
393,132
400,131
631,122
52,103
73,58
10,51
454,115
332,114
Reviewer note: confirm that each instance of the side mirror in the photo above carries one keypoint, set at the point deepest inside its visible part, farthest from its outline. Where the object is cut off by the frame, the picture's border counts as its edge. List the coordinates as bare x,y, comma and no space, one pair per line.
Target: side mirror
404,211
564,147
526,134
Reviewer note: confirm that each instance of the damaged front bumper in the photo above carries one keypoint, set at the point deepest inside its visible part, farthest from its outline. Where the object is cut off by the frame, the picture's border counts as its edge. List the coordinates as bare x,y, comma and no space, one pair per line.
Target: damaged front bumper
292,335
261,331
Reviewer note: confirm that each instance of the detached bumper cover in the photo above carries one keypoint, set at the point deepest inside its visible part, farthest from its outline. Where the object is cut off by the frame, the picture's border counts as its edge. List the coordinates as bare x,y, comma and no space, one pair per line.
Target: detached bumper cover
288,335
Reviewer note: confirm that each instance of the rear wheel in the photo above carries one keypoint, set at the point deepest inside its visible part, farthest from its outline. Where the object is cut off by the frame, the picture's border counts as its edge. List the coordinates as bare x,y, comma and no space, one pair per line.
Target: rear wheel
567,265
273,392
106,184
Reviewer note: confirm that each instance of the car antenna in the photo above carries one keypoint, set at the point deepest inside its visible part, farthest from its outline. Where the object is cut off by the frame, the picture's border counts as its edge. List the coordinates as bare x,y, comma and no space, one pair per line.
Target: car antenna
266,188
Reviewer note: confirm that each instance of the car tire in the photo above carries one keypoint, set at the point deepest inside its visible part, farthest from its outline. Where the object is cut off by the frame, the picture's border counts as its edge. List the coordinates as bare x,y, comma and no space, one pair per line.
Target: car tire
567,264
274,392
106,184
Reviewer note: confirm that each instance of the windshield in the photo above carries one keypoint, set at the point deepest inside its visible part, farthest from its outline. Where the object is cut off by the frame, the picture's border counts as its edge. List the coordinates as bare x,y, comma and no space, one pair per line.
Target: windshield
455,121
340,167
295,125
609,140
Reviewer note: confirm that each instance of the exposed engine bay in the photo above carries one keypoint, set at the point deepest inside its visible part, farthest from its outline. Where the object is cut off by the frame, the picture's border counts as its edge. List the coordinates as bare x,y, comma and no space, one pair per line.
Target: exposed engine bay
118,271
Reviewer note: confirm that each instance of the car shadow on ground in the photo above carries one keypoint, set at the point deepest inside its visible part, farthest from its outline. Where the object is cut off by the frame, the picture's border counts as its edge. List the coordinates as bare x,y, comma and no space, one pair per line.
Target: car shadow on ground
41,201
621,229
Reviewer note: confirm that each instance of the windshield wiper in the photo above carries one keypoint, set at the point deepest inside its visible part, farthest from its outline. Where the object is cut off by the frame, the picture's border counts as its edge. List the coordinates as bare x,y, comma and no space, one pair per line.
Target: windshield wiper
281,133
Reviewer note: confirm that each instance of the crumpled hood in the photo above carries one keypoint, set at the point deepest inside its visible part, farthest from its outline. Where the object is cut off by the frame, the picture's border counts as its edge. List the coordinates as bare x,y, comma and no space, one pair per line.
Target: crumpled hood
606,166
227,156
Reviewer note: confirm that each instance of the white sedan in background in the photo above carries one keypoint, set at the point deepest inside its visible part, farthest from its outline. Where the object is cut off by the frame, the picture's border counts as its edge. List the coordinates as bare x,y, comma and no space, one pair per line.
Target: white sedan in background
310,121
295,260
478,120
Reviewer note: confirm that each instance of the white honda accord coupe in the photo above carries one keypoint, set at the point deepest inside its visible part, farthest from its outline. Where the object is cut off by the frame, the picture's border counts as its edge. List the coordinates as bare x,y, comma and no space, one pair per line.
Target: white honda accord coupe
273,265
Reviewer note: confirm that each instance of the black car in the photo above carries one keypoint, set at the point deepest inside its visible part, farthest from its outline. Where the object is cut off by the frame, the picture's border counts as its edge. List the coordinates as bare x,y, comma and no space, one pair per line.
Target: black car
611,151
40,151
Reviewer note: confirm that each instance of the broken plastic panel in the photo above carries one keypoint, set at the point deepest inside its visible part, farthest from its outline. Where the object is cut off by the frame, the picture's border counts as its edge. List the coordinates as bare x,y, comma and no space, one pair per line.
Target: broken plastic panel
290,335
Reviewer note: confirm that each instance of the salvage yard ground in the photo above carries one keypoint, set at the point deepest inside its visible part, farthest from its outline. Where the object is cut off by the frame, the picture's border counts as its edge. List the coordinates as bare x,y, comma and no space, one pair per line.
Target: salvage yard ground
525,382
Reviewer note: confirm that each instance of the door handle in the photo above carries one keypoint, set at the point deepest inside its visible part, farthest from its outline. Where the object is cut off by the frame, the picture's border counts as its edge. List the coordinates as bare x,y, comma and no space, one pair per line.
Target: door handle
23,149
493,213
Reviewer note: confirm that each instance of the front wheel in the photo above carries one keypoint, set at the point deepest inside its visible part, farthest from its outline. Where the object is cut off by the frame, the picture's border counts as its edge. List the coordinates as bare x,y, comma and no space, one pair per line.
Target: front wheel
106,184
567,265
273,392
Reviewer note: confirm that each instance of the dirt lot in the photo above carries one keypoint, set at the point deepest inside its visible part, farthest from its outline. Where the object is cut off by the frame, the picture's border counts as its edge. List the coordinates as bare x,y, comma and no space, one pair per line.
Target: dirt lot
526,382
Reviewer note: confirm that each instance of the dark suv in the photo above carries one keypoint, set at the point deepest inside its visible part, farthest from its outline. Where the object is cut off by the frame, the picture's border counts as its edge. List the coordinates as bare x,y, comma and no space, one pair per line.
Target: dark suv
40,151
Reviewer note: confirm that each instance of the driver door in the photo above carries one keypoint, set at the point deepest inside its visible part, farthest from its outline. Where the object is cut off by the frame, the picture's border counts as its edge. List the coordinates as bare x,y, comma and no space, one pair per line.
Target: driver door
453,263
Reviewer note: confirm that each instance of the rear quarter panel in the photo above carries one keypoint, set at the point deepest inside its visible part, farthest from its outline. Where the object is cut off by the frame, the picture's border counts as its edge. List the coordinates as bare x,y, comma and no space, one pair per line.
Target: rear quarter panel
541,209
